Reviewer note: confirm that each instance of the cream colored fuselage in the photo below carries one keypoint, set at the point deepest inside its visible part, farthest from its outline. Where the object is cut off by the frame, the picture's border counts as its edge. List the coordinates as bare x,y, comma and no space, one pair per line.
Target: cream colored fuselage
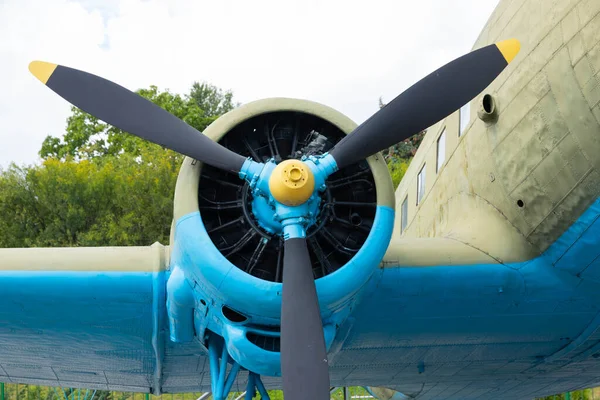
510,187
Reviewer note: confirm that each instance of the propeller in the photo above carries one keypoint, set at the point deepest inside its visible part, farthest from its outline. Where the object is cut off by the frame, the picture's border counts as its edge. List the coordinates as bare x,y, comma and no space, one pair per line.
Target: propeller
303,353
426,102
304,366
132,113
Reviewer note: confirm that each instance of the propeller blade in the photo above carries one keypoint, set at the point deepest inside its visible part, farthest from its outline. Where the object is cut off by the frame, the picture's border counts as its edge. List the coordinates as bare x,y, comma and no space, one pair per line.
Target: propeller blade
425,103
304,366
132,113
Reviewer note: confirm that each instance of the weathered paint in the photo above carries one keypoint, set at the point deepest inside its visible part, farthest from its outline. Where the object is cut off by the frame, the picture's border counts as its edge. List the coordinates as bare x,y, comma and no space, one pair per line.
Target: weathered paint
514,330
143,259
542,150
94,329
480,327
512,313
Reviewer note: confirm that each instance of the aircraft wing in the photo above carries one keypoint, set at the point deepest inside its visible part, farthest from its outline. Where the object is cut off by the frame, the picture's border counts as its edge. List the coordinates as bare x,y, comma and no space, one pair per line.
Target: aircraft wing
488,330
96,318
83,317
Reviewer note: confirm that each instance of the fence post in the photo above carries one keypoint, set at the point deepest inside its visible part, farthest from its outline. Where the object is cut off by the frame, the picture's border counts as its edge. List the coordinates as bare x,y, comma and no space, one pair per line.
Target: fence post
1,390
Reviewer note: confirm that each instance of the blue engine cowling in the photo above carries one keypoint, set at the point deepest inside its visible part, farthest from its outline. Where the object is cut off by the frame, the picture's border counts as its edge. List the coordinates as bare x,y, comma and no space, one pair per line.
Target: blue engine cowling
237,295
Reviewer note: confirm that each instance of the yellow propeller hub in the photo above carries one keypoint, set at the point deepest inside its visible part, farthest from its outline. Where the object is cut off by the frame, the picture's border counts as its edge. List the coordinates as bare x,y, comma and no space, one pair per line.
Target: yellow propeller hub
292,182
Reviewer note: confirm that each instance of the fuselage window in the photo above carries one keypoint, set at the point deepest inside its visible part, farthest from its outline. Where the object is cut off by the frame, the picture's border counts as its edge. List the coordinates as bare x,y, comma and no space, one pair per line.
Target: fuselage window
441,150
404,216
464,116
420,184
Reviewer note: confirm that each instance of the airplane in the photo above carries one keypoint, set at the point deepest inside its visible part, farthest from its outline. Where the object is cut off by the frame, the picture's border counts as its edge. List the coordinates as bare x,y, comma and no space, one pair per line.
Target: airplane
293,264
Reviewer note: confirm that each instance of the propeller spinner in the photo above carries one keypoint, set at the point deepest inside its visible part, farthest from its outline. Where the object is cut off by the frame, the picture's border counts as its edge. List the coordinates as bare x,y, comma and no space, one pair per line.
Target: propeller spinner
292,184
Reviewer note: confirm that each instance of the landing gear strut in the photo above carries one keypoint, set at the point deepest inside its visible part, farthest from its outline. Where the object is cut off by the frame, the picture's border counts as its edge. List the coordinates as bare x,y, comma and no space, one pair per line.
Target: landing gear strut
221,381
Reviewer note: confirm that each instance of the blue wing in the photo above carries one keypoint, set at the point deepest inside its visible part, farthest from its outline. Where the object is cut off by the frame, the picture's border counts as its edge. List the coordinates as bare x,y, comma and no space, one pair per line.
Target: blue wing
513,330
96,318
88,317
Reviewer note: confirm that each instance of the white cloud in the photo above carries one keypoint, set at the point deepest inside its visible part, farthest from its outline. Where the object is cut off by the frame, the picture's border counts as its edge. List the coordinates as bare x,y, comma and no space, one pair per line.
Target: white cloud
342,53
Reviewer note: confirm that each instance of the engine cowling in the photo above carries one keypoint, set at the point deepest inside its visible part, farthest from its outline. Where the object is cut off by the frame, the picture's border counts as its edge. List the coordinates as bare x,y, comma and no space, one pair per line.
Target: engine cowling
226,262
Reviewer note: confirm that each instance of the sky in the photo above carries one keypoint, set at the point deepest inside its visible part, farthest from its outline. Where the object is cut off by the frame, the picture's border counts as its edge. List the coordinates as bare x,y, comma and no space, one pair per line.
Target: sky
342,53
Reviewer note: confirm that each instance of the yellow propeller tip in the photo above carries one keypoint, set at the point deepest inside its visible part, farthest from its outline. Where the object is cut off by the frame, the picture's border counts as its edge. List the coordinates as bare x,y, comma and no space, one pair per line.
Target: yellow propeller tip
509,49
42,70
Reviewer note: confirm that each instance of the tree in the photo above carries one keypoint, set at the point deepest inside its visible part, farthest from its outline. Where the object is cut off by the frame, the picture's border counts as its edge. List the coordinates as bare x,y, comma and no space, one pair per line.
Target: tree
100,186
212,100
397,168
124,200
399,156
87,137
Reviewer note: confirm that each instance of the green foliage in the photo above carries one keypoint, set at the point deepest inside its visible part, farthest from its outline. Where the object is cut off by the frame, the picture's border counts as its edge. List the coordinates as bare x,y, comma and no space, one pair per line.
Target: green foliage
585,394
212,100
87,137
399,156
406,148
352,391
99,186
116,201
397,169
32,392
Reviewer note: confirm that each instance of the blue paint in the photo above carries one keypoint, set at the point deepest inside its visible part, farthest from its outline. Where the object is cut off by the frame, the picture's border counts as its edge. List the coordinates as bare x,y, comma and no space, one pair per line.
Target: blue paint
217,280
213,354
251,387
258,174
180,306
260,183
294,229
272,215
488,331
322,166
253,357
222,374
261,388
265,214
64,327
254,383
251,170
214,275
577,251
527,320
235,369
275,217
221,381
291,222
158,323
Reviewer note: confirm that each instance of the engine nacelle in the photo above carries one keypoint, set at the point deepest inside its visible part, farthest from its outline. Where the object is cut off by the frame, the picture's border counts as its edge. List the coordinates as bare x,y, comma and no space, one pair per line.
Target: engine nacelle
226,266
